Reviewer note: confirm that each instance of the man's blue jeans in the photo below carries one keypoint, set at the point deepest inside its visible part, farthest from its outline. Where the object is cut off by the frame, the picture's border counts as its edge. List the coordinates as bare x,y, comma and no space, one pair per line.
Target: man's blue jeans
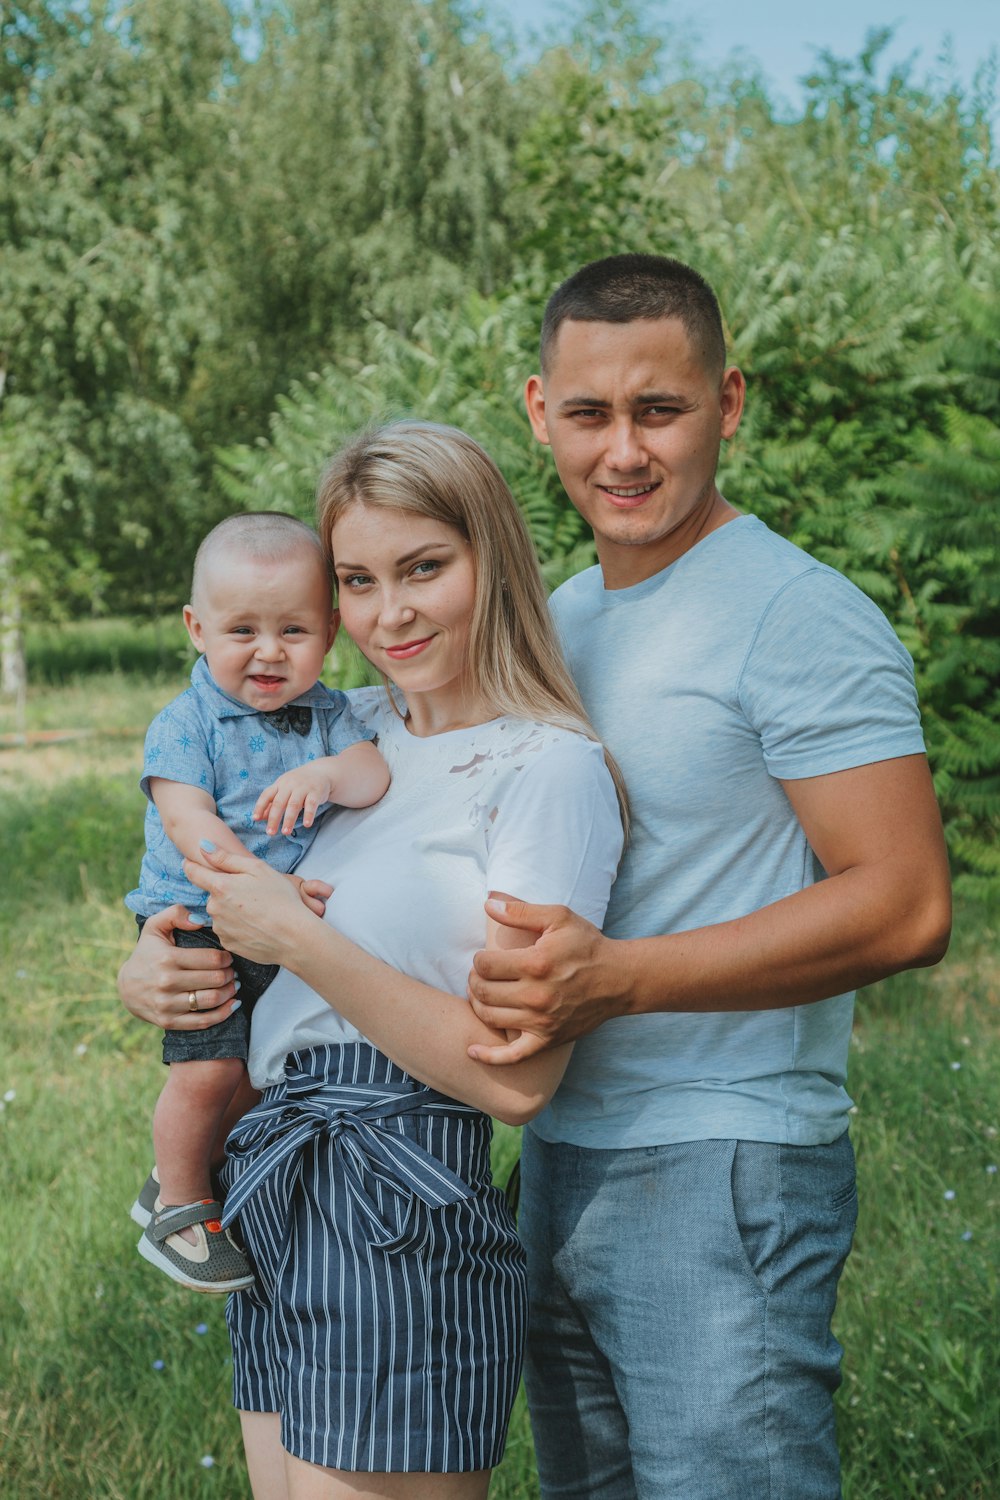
679,1333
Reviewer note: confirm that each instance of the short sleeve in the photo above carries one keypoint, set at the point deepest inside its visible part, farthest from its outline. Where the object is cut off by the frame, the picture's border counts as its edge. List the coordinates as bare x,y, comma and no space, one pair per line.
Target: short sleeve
344,728
179,746
557,834
826,683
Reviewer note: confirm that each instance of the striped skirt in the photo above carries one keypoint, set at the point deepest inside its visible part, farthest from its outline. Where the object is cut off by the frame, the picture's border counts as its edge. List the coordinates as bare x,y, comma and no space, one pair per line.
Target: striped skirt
387,1321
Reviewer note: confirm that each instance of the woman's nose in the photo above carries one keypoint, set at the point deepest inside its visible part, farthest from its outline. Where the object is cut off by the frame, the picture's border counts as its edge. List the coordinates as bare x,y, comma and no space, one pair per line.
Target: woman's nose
394,609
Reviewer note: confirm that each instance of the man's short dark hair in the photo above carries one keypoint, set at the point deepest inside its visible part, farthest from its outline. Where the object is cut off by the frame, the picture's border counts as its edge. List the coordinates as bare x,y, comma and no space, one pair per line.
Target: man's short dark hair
622,288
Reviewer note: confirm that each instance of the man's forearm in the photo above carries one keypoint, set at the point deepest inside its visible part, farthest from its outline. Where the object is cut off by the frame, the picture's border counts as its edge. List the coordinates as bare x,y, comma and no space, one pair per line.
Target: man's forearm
832,937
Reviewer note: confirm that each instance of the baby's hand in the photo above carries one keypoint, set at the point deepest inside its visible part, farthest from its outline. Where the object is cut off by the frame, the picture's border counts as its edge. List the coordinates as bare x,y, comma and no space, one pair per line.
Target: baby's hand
312,893
303,790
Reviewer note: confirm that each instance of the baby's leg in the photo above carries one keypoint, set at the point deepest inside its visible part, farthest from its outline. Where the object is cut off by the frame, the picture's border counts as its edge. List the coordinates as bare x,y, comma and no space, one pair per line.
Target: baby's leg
186,1122
244,1097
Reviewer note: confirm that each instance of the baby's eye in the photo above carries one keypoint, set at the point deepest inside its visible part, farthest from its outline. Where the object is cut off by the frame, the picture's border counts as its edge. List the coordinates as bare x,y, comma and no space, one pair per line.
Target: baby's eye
241,630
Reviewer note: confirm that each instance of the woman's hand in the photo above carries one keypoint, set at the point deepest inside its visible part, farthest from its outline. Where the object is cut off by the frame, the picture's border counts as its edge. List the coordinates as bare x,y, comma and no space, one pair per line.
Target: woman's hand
255,911
158,979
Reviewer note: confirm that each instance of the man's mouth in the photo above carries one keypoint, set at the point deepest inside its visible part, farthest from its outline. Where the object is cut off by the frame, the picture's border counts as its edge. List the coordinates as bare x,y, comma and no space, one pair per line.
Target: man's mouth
625,495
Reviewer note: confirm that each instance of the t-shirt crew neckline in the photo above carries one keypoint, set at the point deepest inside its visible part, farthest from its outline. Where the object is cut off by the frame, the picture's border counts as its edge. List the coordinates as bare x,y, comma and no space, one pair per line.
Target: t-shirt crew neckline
447,734
656,580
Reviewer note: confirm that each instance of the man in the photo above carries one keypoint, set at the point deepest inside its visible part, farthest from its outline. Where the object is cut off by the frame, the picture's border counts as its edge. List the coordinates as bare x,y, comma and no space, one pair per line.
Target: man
688,1197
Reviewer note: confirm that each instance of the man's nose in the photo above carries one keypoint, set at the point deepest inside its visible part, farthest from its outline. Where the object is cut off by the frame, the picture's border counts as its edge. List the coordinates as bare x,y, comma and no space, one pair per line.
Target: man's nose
625,449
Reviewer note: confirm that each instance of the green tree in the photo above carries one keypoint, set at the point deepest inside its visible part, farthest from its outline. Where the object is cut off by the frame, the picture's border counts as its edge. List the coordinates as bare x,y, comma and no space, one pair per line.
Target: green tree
105,116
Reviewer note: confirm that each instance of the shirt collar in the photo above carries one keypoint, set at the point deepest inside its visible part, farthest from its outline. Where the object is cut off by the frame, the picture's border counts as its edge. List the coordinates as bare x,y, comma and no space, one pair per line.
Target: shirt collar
226,707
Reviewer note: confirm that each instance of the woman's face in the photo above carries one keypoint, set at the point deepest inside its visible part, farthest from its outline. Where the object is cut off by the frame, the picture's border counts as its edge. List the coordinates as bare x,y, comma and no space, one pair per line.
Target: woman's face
407,587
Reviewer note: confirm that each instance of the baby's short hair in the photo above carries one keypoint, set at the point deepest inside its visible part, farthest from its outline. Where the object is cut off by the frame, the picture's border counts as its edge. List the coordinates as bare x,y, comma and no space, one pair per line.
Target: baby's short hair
262,536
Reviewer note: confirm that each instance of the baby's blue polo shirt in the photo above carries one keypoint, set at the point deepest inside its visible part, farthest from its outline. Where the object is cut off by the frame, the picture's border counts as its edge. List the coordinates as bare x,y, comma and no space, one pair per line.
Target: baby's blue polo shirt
209,740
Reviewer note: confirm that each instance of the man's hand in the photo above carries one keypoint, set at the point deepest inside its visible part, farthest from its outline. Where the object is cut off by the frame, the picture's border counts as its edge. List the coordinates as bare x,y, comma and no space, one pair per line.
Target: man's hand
303,790
569,981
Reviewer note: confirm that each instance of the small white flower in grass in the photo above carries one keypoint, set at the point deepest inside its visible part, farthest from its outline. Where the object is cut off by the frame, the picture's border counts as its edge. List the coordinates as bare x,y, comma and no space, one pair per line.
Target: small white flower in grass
201,1328
10,1096
208,1462
158,1364
967,1234
949,1194
992,1168
955,1066
80,1050
99,1291
21,973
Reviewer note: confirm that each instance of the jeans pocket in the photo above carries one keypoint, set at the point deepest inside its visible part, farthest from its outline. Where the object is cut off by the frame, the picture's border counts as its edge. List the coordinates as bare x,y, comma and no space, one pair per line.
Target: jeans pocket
757,1209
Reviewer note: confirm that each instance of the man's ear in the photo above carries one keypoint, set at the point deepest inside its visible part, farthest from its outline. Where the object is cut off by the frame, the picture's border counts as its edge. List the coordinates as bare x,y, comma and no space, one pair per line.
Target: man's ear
534,400
193,626
732,397
331,634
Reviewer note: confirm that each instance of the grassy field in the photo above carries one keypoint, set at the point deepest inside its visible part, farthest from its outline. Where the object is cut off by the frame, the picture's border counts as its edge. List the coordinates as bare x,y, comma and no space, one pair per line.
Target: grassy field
115,1384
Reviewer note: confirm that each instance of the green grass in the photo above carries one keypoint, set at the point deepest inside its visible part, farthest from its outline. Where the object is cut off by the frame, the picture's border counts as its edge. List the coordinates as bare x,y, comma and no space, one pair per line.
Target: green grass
85,1412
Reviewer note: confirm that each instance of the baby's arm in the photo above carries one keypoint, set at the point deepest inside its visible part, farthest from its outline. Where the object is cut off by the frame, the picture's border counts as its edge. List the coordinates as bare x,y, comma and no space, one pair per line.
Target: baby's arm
189,817
357,777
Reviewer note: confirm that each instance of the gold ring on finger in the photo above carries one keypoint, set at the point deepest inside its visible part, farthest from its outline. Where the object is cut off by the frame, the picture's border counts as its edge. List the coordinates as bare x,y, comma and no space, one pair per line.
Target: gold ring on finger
192,999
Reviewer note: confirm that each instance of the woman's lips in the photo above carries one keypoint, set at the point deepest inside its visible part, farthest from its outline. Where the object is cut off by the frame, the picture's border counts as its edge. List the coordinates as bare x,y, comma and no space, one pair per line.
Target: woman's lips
408,649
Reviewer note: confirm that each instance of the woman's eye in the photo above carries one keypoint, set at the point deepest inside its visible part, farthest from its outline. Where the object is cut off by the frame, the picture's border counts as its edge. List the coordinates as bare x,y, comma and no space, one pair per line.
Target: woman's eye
354,580
427,567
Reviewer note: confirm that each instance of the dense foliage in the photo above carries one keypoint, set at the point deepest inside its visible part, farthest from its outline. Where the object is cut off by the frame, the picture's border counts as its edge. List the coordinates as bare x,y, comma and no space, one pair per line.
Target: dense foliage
226,248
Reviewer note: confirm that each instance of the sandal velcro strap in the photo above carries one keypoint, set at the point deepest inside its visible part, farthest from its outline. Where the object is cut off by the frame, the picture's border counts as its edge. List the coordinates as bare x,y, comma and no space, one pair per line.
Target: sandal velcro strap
170,1220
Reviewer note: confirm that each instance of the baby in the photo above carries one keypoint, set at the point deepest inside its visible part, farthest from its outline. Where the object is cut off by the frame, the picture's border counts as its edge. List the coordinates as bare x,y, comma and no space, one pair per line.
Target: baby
253,742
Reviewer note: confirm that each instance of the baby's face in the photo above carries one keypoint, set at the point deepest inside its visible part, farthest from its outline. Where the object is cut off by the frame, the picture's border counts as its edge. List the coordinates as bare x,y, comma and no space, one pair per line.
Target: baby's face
264,626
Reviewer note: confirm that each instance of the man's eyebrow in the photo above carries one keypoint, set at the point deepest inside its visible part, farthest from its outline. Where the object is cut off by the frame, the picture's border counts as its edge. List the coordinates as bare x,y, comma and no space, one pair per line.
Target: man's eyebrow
642,398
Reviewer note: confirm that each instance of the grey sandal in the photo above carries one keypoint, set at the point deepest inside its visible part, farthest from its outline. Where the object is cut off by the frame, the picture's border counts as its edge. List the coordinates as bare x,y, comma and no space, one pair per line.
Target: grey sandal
144,1207
215,1264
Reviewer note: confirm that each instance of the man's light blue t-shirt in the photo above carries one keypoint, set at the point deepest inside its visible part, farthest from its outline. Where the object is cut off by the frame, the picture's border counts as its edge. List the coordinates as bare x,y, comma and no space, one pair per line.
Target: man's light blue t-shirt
209,740
743,664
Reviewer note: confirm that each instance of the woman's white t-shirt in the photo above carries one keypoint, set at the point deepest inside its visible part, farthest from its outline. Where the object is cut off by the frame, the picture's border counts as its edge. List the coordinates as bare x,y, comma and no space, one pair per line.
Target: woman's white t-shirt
513,806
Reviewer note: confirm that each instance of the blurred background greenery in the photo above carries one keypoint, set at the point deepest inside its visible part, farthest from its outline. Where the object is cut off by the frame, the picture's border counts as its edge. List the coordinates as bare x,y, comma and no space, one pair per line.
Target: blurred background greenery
232,234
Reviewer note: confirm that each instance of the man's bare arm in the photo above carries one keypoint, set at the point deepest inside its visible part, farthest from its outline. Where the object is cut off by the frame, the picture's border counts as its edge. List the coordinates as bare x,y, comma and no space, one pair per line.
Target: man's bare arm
885,906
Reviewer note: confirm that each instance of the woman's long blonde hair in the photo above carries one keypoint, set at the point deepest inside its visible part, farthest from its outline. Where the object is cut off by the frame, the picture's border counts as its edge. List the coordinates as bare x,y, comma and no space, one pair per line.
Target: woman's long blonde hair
440,472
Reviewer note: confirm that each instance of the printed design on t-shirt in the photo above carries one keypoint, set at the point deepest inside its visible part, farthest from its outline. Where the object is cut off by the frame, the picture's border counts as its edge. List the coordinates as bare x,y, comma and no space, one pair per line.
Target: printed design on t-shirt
498,762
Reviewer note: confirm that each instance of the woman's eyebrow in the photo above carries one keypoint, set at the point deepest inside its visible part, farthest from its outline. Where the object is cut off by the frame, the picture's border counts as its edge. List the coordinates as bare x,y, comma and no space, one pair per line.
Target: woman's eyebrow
400,561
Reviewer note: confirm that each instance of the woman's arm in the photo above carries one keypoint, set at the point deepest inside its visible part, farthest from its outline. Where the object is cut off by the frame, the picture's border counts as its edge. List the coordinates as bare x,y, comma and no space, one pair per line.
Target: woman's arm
425,1030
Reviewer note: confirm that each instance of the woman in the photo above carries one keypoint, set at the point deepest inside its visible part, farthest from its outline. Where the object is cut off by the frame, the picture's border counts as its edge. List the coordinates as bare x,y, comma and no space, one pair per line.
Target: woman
379,1351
